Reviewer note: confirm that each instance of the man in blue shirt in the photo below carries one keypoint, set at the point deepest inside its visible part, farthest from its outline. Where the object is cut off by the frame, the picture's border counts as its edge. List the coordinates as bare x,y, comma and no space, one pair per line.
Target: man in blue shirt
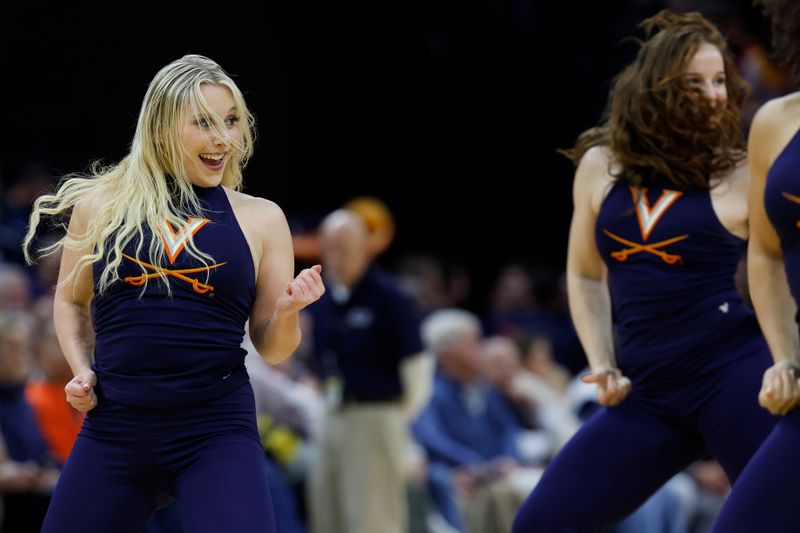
467,429
367,347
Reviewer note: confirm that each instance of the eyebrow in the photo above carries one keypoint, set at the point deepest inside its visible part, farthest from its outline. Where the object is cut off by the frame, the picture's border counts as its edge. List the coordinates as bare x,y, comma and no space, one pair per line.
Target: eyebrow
201,115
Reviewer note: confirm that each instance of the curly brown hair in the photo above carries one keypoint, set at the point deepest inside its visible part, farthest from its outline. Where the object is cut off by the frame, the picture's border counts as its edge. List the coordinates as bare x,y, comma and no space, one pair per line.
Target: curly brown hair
784,16
656,124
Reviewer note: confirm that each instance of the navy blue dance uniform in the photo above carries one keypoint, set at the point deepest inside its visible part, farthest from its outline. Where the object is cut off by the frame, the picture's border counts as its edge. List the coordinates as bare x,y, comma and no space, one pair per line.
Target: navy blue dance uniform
768,490
175,414
692,349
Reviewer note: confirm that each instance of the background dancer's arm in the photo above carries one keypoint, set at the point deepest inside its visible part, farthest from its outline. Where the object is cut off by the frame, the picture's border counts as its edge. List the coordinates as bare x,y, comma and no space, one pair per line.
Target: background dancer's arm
589,299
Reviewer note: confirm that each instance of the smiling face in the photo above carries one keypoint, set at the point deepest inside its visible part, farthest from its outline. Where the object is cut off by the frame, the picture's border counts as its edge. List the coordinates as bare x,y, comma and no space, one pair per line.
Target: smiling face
209,142
705,73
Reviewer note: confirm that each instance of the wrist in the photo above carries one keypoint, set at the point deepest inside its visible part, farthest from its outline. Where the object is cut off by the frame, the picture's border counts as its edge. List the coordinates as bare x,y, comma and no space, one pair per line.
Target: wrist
283,315
82,371
604,369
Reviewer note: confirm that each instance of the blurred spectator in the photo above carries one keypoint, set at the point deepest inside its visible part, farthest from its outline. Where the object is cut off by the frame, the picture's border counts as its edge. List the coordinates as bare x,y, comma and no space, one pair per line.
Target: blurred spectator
537,358
298,404
366,343
468,431
15,292
541,408
59,422
27,472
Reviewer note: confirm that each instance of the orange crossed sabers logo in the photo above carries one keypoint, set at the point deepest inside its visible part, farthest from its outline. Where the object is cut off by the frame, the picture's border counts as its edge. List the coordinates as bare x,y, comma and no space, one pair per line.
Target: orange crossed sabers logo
792,198
197,285
652,248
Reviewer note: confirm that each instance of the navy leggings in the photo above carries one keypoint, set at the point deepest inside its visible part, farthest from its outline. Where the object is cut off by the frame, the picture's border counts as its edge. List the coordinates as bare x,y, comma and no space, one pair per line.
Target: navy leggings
127,461
623,454
767,492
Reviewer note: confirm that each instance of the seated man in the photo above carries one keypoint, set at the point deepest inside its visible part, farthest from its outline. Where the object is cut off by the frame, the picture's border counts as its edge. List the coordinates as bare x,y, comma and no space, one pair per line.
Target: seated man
468,430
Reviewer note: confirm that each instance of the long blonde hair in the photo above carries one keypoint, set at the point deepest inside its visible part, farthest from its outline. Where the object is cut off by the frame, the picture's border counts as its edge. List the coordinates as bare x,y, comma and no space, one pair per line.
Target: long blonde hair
149,186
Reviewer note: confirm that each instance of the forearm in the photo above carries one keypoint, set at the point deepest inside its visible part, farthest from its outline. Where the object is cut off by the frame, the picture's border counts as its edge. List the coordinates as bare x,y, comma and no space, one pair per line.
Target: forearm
75,334
590,307
278,338
775,307
439,446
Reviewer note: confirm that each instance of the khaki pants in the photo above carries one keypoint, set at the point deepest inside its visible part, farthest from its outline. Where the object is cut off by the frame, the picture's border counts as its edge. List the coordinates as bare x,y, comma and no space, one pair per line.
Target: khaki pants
358,482
492,509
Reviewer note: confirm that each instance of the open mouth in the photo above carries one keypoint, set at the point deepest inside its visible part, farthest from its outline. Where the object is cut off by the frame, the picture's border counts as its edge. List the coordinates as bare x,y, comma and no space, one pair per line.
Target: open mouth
213,161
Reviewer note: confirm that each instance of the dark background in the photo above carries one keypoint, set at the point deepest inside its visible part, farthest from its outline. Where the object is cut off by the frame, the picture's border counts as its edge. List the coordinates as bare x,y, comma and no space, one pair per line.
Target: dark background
448,110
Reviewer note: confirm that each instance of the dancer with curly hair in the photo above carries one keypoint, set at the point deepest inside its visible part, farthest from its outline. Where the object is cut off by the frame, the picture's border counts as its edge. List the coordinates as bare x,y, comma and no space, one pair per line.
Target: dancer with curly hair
658,228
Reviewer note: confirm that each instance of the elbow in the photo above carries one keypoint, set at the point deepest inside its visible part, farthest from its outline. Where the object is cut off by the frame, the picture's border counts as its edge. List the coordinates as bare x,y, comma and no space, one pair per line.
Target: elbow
577,276
275,357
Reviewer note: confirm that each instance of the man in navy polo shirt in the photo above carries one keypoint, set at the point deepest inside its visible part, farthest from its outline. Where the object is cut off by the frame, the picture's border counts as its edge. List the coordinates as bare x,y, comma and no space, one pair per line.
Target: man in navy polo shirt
368,349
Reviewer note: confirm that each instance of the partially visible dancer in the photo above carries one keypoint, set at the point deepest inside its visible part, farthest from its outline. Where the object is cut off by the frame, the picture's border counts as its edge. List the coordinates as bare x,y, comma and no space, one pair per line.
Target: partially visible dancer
659,225
765,497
